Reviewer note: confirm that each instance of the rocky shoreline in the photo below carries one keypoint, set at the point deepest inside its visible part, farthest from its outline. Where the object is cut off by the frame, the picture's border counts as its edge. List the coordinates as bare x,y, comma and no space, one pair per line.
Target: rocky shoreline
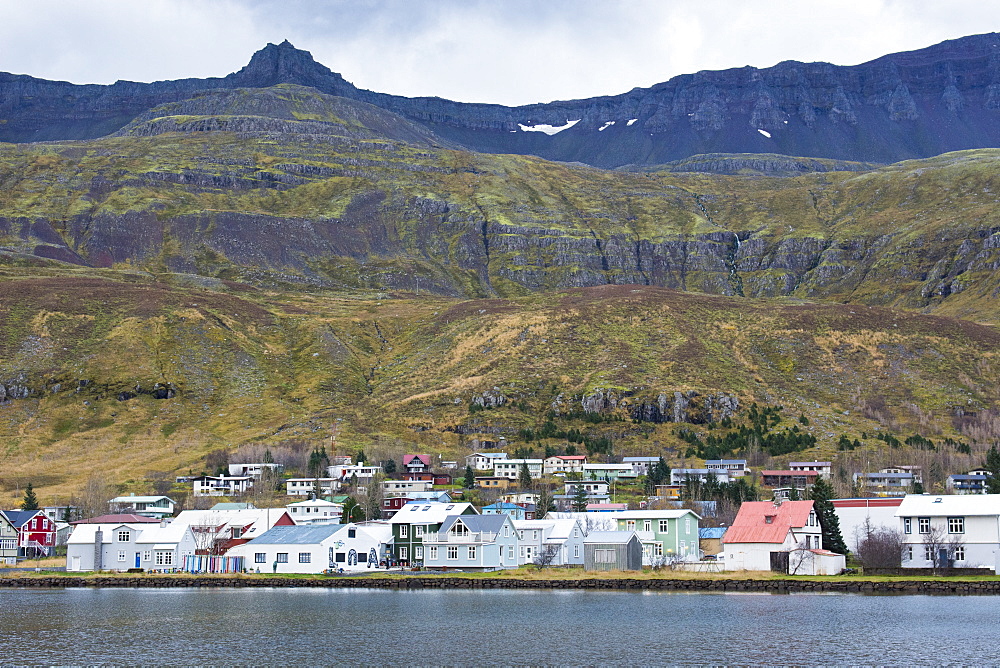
445,582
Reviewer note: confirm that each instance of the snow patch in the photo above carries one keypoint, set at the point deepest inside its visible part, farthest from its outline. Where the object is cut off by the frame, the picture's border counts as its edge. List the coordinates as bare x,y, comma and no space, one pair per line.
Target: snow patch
631,121
548,129
607,124
764,132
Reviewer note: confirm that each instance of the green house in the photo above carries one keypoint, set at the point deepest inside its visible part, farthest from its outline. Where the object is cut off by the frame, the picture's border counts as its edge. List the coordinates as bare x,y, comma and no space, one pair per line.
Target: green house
666,535
415,520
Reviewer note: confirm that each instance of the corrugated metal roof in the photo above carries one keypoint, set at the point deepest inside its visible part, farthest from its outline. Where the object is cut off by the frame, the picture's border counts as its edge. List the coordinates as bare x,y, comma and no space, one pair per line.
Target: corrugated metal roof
753,526
476,523
931,505
609,537
667,514
118,518
297,535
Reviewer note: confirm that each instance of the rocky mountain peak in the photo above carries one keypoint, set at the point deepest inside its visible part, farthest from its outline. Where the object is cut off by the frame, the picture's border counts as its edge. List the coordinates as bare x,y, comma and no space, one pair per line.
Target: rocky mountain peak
283,63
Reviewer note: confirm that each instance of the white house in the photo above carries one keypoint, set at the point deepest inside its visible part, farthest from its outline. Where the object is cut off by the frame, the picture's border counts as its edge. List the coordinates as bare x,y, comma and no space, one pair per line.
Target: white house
308,486
764,535
165,547
609,472
599,487
560,539
564,464
483,461
403,487
472,543
315,511
680,476
852,514
121,546
734,468
511,468
221,485
966,527
317,548
347,471
640,465
146,506
824,469
255,470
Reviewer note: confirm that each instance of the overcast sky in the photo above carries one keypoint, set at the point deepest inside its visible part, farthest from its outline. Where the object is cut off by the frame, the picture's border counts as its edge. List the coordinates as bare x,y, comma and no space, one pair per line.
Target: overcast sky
504,51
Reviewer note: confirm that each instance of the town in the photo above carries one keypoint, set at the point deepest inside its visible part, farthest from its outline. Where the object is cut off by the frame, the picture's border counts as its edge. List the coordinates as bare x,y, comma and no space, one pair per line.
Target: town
355,517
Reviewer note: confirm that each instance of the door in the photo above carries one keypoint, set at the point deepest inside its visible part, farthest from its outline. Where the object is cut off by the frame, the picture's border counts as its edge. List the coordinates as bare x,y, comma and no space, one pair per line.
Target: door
137,560
76,562
779,562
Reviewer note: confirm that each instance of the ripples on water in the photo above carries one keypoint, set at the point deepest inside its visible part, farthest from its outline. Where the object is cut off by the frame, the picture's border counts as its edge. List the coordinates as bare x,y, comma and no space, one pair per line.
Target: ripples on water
349,626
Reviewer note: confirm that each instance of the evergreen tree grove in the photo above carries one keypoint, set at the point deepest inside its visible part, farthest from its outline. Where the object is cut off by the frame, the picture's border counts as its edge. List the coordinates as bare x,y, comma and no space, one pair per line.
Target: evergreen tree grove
993,466
821,493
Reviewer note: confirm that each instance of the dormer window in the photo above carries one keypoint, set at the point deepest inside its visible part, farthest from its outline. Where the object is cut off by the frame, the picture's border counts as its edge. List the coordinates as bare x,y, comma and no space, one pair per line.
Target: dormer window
460,529
768,519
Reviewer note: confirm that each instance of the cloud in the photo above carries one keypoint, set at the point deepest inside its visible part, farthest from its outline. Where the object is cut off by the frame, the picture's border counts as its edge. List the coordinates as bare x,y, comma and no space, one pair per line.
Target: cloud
511,52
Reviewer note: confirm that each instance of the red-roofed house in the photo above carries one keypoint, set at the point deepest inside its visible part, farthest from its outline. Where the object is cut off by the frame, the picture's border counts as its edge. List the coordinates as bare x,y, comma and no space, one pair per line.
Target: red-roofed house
416,463
764,533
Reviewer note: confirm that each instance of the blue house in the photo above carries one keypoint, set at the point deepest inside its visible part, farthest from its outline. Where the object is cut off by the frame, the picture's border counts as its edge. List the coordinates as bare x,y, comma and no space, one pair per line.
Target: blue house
515,511
472,543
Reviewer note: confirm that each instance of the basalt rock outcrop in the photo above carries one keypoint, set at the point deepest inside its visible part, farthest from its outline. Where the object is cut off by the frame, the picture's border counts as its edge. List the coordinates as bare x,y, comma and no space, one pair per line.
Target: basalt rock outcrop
691,407
906,105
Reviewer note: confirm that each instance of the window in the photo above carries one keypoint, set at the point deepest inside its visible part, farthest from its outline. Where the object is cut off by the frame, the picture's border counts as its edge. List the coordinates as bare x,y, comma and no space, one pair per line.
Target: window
956,525
923,525
352,533
403,530
460,529
122,556
647,525
664,526
683,547
340,557
604,556
453,552
418,552
432,552
282,558
909,553
506,531
404,554
907,528
124,536
147,555
472,552
959,553
658,549
928,553
576,551
305,557
687,525
630,525
165,558
510,551
260,557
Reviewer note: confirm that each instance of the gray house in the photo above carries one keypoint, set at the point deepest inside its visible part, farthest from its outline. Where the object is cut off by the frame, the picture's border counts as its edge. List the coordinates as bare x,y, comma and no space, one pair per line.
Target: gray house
612,551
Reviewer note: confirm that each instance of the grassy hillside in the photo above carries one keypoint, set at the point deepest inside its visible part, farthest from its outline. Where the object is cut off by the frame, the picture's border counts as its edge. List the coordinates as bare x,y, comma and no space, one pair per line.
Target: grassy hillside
244,366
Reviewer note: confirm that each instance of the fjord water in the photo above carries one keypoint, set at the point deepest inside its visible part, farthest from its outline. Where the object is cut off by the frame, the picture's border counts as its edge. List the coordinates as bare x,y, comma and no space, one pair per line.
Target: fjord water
350,626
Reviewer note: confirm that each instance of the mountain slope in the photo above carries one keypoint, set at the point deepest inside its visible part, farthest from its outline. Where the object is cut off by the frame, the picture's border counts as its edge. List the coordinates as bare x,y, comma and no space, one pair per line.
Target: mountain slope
901,106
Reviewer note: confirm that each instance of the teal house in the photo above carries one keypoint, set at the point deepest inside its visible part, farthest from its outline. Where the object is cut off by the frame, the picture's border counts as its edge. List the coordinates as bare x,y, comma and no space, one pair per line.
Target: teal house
418,519
666,535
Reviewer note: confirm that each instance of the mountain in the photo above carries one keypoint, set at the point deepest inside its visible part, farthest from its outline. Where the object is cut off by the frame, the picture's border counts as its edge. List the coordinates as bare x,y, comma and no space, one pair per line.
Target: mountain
901,106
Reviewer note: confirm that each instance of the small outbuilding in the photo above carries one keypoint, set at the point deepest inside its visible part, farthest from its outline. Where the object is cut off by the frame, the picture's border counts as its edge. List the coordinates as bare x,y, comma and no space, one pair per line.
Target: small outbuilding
612,551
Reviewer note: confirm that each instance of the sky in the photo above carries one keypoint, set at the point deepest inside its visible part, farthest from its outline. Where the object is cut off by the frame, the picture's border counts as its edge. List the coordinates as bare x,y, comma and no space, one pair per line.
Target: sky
502,51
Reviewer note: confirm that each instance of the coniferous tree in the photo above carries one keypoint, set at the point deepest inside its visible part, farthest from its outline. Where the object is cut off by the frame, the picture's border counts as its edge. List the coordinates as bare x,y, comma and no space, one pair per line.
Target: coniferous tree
821,493
993,466
30,501
546,504
470,477
580,499
268,458
524,476
793,494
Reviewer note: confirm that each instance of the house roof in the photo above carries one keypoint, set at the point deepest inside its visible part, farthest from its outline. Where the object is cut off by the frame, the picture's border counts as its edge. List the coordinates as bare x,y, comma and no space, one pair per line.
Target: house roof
725,461
929,505
315,503
476,523
752,526
556,528
503,505
809,463
171,533
607,506
304,534
118,518
85,533
20,517
610,537
428,512
670,514
574,458
425,459
628,460
807,474
140,499
234,506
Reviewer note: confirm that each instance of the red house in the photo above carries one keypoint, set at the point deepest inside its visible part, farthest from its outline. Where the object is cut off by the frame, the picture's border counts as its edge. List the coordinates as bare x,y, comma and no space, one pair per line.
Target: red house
416,463
36,533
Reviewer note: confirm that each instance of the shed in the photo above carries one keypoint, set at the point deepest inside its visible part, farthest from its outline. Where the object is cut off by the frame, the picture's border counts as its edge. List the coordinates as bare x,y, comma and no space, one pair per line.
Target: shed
612,551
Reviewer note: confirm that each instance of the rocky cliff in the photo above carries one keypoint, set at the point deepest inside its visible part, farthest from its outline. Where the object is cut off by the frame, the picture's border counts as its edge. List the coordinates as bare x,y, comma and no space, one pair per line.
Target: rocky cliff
906,105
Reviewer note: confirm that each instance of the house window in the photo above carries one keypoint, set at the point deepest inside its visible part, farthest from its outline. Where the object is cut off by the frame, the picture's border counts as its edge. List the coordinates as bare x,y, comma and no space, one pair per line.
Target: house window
923,525
959,553
352,533
928,553
909,553
124,536
260,557
432,553
472,552
510,551
34,523
683,547
460,529
506,531
164,558
340,557
305,557
576,551
147,555
658,550
604,556
282,558
418,530
403,530
630,525
122,556
647,525
907,528
956,525
453,552
403,554
664,526
687,525
418,552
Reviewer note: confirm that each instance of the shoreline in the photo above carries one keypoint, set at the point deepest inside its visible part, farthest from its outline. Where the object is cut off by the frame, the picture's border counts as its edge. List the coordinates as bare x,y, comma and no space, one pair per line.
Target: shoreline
435,582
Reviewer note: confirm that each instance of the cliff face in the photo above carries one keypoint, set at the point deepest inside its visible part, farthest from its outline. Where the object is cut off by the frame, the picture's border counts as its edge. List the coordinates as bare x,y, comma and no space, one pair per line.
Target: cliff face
908,105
